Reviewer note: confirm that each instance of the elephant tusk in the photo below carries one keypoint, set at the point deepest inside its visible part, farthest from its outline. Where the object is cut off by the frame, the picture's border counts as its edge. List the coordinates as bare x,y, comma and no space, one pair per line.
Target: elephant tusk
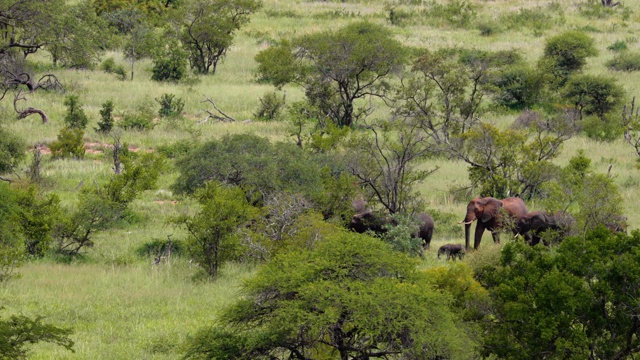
466,223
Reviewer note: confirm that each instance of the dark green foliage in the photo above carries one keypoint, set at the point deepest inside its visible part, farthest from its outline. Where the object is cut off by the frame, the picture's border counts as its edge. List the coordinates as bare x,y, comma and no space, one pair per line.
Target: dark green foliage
594,95
70,144
106,118
519,87
17,332
38,216
488,28
271,105
169,64
398,235
170,106
577,302
75,117
140,173
567,53
109,66
259,167
625,61
277,64
157,247
212,239
12,151
618,46
350,297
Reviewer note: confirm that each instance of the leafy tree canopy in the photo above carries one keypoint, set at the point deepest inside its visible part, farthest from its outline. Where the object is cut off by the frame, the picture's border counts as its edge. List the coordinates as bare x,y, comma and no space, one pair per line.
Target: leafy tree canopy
580,301
349,298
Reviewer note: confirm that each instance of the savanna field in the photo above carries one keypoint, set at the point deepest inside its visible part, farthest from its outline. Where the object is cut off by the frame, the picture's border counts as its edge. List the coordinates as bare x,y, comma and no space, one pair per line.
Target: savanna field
122,304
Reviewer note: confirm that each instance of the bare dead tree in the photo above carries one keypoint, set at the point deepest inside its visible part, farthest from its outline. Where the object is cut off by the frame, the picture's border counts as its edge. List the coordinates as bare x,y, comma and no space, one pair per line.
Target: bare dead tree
117,151
35,166
28,111
609,3
220,116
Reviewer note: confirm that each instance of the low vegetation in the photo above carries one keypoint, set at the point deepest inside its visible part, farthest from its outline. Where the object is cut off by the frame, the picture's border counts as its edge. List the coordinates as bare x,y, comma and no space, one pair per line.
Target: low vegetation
198,203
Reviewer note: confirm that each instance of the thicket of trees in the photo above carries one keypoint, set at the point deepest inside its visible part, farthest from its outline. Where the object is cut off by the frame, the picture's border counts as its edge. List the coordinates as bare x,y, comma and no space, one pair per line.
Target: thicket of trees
322,291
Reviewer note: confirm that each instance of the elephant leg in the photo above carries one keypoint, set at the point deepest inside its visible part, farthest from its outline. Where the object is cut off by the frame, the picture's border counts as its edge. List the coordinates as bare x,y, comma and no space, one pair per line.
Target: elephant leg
496,236
478,235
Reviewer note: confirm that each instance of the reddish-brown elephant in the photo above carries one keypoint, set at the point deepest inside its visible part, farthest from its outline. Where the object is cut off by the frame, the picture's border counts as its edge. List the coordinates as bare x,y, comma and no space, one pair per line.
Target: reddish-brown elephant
490,213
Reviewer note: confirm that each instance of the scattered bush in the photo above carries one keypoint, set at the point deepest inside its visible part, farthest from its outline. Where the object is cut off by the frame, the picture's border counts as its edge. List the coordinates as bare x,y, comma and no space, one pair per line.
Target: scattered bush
518,87
567,53
141,119
271,105
70,144
594,95
158,247
618,46
106,118
11,151
489,28
536,18
625,61
170,65
109,66
170,106
458,13
75,117
596,128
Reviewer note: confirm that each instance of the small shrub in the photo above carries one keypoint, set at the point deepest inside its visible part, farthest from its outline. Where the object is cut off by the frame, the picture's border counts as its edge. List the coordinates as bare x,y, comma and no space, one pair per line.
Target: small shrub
594,95
618,46
157,247
141,119
70,144
108,65
536,19
271,105
458,13
567,53
488,28
170,65
598,129
106,118
12,151
75,117
170,106
625,61
121,72
397,16
518,87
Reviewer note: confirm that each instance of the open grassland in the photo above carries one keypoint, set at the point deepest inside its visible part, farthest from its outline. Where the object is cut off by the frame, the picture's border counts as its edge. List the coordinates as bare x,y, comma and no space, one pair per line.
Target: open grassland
120,305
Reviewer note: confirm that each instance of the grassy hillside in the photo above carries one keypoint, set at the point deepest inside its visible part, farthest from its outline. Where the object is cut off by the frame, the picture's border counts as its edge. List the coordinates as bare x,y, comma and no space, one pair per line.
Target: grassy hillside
123,307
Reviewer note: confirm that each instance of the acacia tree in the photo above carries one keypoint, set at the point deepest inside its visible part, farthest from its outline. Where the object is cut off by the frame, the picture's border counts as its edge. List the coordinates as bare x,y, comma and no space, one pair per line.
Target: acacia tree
212,231
337,68
579,302
350,297
386,158
208,28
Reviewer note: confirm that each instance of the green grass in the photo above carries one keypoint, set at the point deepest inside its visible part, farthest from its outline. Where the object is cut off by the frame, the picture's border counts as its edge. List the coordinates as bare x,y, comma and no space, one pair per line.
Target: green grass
122,307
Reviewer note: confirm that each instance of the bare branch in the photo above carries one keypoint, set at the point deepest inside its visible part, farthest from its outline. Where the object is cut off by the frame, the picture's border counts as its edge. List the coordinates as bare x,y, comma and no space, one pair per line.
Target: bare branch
221,116
28,111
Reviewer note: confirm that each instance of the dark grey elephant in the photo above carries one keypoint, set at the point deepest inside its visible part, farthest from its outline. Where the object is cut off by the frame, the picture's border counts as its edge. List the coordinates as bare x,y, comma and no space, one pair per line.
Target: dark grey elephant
452,251
537,222
372,221
493,215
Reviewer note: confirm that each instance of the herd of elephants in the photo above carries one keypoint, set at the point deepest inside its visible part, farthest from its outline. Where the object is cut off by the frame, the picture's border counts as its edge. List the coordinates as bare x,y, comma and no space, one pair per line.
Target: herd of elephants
491,214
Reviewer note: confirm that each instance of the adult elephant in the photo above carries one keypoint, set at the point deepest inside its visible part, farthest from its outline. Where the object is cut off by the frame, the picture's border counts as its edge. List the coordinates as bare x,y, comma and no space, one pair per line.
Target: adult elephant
537,222
371,221
490,213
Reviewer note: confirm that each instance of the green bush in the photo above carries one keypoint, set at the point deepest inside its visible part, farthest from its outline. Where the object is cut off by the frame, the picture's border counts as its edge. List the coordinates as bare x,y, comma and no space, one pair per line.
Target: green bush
12,151
459,13
625,61
271,105
141,119
518,87
70,144
106,118
618,46
536,18
567,53
109,66
157,247
170,106
75,117
602,130
170,65
594,95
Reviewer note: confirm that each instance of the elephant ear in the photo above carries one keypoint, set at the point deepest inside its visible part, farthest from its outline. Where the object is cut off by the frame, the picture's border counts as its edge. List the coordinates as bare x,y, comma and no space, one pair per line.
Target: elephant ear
491,208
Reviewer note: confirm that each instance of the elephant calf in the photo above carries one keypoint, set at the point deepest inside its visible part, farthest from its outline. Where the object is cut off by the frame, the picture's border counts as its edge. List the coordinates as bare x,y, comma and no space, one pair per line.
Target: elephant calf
452,251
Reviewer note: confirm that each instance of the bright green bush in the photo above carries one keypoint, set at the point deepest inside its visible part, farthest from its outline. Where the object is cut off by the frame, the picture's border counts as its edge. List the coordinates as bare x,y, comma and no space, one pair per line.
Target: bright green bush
170,105
106,118
567,53
12,151
70,144
75,117
170,65
625,61
271,105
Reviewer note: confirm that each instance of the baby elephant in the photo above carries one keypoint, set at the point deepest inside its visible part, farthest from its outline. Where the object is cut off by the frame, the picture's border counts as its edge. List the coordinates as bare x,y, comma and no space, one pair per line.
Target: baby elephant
452,251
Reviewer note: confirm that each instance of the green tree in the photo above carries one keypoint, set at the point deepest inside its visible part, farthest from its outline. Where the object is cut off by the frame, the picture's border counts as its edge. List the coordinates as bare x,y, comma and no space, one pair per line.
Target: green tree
594,95
578,302
350,297
11,236
70,144
78,38
19,32
213,238
106,118
12,151
18,331
208,29
566,53
75,117
337,68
